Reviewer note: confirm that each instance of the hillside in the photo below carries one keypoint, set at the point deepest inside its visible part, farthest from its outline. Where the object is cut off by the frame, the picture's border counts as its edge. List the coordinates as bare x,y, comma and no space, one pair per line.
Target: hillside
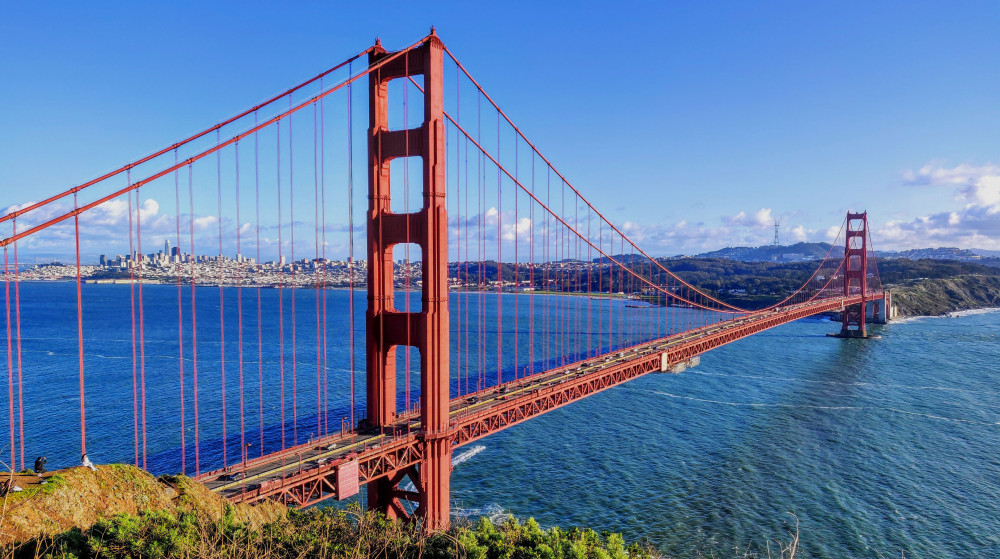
938,296
770,253
78,498
120,511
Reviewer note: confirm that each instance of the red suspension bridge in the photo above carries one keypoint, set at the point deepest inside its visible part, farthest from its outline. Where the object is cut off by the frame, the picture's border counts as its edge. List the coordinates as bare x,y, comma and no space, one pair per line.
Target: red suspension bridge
255,365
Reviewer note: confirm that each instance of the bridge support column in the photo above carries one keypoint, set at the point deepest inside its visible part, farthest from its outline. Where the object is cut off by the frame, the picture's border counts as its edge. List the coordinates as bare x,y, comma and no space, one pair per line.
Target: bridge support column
855,275
428,329
881,309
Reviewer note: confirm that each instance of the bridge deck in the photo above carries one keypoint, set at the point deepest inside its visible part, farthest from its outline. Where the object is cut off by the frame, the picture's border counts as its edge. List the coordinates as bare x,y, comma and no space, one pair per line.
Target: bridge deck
307,473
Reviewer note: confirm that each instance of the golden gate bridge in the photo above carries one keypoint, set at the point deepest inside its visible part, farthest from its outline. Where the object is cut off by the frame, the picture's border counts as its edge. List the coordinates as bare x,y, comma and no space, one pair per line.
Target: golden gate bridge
494,224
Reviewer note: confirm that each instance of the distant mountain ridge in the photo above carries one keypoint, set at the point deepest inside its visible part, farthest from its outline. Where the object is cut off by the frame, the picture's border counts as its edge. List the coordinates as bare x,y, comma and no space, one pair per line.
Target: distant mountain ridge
940,253
798,252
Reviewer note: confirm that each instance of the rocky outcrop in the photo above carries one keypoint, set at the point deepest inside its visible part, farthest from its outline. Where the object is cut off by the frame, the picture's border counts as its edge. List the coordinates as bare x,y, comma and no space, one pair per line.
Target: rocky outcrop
935,297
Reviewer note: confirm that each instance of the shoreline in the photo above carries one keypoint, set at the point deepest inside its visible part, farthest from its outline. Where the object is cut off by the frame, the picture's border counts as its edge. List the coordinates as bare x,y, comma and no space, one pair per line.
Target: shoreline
952,296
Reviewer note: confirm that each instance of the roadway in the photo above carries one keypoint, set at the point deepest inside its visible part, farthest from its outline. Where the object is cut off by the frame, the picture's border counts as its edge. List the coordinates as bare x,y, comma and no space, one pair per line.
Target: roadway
476,415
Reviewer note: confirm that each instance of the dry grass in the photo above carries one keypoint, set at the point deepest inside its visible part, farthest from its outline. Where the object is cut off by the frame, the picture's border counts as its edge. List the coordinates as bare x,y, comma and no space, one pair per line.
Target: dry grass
79,498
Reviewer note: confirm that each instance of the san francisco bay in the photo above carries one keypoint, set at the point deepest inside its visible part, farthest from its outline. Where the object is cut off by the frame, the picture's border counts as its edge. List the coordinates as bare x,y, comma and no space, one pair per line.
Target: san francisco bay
875,447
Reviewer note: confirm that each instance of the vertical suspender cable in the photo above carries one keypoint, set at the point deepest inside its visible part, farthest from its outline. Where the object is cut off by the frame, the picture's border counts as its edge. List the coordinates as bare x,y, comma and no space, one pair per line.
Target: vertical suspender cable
222,308
317,285
481,244
322,191
142,328
576,241
194,321
499,263
531,263
481,233
466,220
458,248
517,317
406,249
462,269
600,288
350,236
281,289
291,233
180,312
239,302
257,269
546,326
590,266
79,334
17,321
130,262
10,361
564,247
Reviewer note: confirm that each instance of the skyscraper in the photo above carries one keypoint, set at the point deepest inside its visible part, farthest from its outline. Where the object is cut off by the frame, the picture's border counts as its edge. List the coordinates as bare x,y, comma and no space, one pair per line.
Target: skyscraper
166,247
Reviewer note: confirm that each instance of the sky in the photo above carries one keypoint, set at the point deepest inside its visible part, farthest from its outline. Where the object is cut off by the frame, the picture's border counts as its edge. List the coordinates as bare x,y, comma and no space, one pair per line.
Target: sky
715,118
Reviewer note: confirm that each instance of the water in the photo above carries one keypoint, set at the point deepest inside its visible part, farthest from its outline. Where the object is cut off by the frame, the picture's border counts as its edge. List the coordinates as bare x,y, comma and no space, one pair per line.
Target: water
878,447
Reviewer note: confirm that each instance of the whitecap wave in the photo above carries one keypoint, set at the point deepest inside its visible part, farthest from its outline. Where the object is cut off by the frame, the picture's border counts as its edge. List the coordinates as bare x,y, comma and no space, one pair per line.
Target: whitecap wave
466,455
909,319
972,312
493,511
953,314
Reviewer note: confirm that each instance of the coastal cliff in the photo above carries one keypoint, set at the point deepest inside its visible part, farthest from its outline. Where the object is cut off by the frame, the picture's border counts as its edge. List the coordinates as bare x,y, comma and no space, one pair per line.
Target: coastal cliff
938,296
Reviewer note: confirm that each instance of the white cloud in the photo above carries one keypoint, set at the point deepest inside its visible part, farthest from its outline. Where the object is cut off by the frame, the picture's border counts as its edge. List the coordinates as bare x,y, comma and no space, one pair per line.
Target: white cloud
518,231
760,218
204,222
976,184
975,225
149,208
797,233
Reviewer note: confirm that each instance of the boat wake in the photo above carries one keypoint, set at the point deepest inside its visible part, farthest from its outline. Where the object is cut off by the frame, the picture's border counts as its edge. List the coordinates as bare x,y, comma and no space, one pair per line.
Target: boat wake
466,455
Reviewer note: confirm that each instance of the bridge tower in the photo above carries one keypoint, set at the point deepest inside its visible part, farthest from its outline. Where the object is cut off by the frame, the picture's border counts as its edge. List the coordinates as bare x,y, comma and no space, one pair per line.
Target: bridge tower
387,327
855,275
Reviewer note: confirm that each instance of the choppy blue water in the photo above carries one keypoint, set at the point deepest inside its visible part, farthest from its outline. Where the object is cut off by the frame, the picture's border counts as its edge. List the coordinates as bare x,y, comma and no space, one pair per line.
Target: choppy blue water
878,447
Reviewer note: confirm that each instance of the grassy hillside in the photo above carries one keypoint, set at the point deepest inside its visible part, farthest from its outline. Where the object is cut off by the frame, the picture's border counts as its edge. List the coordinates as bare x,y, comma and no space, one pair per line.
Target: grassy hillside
120,511
937,296
79,498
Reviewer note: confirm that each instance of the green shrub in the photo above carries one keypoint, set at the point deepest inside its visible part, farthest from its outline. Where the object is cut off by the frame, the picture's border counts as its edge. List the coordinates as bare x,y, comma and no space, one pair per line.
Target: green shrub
324,533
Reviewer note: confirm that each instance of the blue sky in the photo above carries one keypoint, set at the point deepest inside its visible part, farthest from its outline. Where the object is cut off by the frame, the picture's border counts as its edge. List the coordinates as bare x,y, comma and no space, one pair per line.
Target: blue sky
715,117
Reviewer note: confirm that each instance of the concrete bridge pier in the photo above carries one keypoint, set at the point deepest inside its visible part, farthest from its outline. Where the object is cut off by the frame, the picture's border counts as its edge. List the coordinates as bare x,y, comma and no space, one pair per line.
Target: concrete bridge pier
879,311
